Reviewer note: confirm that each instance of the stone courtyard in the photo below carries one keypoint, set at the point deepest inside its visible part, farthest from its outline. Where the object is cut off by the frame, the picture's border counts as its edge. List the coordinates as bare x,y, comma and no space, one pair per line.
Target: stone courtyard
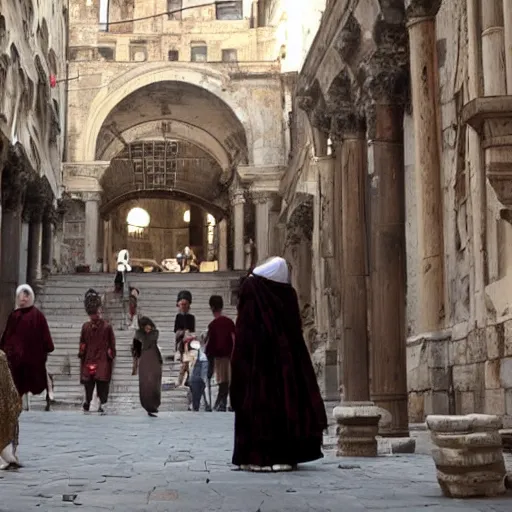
181,462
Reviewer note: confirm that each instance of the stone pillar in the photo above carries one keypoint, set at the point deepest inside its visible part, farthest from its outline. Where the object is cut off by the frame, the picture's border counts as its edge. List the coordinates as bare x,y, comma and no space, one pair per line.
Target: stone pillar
35,252
48,235
24,246
429,196
262,203
14,182
387,245
237,203
355,263
507,21
493,48
223,245
91,229
107,244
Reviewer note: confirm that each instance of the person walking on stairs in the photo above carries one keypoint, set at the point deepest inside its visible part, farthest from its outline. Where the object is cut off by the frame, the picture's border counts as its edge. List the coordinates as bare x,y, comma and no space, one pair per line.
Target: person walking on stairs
219,347
145,349
97,352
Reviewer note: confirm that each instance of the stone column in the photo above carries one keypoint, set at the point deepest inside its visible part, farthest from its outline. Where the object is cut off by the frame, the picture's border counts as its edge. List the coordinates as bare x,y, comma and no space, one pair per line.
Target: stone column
507,21
91,229
24,245
35,251
223,245
429,196
48,235
387,245
237,203
107,244
262,203
14,182
355,262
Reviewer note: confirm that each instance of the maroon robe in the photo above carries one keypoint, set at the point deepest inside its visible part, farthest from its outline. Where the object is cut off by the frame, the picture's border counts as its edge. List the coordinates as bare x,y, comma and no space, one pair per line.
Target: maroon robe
279,411
97,347
27,342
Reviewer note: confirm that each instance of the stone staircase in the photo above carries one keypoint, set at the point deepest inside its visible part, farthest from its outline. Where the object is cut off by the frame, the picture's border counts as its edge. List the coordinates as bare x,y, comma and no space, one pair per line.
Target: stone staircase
61,300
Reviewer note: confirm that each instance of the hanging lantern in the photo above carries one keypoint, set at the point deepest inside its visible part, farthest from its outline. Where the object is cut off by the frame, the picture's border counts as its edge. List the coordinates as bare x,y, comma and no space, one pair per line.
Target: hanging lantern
53,81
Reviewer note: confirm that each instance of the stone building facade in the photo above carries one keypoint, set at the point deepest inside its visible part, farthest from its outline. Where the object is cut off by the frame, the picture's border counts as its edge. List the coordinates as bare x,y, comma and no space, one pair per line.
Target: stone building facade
32,128
400,164
199,88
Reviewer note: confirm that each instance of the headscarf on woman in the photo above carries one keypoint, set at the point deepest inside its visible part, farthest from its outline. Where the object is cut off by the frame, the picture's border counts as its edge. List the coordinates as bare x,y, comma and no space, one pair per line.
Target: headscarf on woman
10,410
279,411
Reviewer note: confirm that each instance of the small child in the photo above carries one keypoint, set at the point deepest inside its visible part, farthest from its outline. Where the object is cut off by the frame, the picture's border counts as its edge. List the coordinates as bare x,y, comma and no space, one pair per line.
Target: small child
184,321
198,374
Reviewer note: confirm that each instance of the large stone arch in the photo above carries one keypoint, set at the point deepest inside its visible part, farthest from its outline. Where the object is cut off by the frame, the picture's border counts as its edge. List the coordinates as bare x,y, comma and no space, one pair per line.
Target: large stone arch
121,87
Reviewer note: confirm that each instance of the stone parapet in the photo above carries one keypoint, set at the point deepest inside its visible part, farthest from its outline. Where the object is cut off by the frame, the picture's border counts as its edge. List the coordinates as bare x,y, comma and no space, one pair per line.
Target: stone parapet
468,455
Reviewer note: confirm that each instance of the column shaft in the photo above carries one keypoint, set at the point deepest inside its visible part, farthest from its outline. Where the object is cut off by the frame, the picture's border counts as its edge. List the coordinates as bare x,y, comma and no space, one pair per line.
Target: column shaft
388,266
238,220
507,21
47,251
91,233
355,342
10,258
424,78
262,231
107,244
493,48
223,245
35,252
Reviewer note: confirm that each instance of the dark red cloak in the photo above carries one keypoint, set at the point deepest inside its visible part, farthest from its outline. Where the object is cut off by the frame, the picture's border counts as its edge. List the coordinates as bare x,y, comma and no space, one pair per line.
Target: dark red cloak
27,342
279,411
97,347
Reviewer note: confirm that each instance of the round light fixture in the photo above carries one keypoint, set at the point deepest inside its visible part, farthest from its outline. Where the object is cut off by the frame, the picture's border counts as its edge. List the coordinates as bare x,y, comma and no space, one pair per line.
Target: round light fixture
138,217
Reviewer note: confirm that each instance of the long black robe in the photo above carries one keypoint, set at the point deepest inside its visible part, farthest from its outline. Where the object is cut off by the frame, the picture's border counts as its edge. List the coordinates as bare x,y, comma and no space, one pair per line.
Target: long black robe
150,370
279,412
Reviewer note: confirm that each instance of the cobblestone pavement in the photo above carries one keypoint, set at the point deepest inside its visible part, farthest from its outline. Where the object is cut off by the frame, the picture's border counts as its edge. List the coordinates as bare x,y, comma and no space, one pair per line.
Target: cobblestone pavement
180,462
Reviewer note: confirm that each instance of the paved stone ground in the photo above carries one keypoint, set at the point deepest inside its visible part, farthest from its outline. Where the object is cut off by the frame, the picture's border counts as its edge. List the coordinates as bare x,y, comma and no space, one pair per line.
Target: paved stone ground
180,462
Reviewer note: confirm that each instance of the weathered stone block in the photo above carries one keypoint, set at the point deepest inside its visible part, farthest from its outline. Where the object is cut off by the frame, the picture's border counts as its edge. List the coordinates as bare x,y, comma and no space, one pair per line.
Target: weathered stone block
506,372
477,346
468,377
468,455
507,338
458,350
416,407
418,379
440,379
436,402
495,401
467,403
492,374
438,354
493,339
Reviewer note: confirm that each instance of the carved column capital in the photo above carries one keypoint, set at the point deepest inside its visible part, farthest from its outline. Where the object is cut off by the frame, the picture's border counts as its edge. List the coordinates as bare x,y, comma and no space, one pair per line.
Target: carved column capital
311,100
237,198
91,196
349,39
261,197
417,9
15,177
38,199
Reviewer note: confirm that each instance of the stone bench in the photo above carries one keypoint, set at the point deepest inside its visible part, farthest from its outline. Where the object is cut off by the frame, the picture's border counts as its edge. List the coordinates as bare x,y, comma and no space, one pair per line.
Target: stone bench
468,455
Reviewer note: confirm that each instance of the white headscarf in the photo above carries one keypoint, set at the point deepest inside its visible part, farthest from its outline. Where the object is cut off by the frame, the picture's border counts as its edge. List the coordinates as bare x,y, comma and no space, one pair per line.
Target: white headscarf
274,269
123,261
27,289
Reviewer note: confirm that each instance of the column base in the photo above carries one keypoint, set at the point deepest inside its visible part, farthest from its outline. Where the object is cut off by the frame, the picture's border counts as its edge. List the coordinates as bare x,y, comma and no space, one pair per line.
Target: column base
358,426
468,455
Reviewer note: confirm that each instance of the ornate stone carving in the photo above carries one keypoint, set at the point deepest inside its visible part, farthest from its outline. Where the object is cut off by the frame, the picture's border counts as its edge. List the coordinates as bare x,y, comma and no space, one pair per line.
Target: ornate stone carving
91,196
349,39
300,224
312,102
38,199
237,197
306,103
261,197
343,106
15,177
422,8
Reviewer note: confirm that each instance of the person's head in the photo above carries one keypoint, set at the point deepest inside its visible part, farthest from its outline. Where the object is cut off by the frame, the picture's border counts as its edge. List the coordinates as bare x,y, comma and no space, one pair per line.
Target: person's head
274,269
184,306
25,297
146,324
92,303
216,304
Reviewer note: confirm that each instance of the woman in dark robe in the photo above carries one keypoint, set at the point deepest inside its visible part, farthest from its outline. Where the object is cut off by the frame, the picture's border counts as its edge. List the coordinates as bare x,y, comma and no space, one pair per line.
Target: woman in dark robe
279,412
145,348
27,342
97,352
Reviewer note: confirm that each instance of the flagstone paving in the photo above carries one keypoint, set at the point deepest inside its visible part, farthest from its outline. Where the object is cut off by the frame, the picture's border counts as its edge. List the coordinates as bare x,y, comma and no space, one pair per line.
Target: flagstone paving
181,462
